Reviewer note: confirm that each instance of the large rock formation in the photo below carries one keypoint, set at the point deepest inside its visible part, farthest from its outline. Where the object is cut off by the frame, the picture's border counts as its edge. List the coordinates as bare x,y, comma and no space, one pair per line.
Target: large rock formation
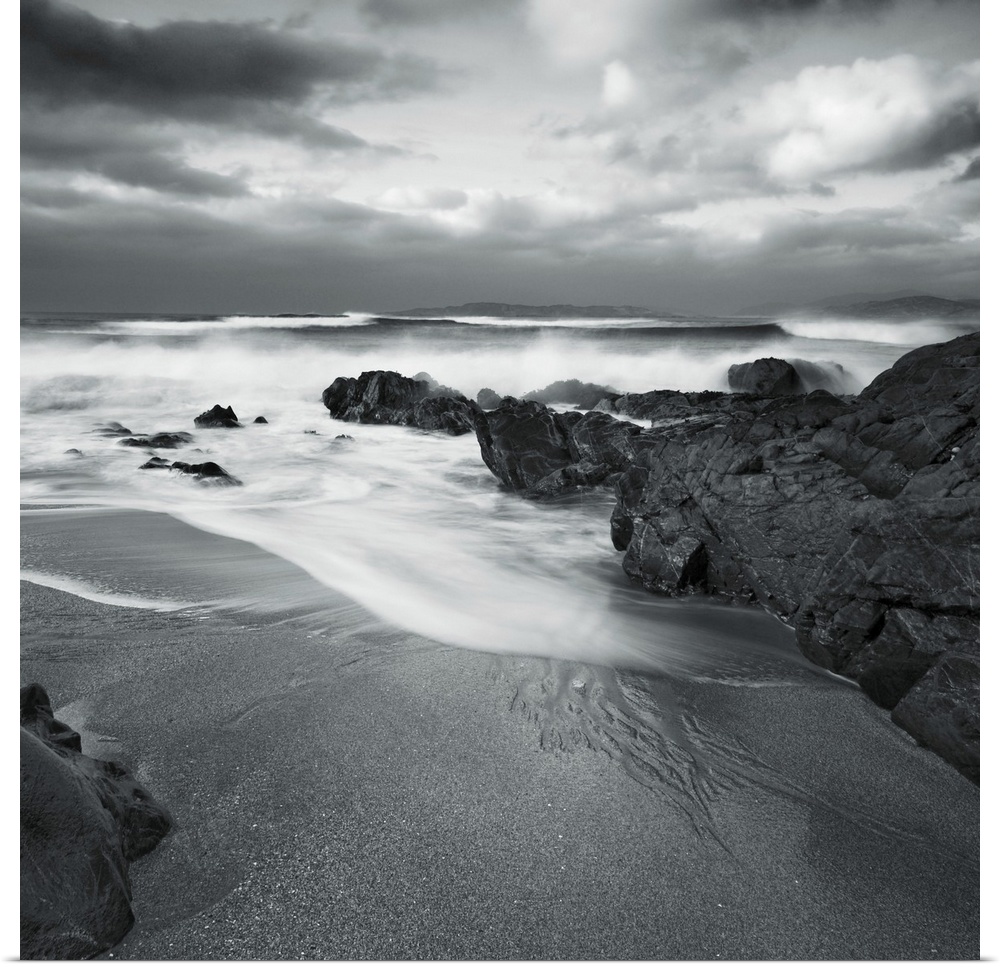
82,821
386,397
856,520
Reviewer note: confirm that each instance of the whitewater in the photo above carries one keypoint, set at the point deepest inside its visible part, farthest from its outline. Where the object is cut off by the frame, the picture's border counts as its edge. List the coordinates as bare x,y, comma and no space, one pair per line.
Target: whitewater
408,524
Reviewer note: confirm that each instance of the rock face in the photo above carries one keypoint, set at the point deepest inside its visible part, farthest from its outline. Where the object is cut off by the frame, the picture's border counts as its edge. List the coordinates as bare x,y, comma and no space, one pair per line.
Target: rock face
856,520
531,449
385,397
159,441
765,377
584,395
82,822
217,417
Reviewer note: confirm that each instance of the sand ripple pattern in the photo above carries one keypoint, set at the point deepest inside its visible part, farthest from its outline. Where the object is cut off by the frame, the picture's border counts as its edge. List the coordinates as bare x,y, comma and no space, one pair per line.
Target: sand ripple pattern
642,726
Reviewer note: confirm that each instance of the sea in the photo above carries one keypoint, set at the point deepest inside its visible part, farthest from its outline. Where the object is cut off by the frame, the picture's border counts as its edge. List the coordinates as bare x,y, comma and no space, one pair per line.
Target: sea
409,525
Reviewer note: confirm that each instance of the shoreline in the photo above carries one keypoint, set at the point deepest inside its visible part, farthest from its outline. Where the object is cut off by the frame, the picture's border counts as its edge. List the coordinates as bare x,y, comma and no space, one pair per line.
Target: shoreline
365,793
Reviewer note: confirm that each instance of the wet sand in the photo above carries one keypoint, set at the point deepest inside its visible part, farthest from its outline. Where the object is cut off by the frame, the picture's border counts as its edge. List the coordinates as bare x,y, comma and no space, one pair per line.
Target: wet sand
345,790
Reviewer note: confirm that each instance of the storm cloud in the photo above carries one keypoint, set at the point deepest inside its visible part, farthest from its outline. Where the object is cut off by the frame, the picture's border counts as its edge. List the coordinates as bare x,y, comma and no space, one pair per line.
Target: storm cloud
690,154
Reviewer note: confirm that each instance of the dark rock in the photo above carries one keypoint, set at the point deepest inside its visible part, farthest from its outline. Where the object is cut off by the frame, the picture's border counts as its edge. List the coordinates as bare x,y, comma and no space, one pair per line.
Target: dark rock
343,436
82,821
260,419
386,397
210,472
583,395
488,399
73,452
538,452
765,377
112,429
156,463
854,519
159,441
217,417
942,711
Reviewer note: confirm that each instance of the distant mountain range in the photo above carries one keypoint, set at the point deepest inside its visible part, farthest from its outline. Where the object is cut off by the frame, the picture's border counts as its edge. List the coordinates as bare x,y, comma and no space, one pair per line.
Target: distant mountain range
910,307
505,310
865,305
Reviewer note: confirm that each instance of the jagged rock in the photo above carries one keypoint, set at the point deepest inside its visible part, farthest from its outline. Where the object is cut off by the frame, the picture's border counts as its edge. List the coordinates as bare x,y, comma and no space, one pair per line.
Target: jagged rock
82,821
217,417
208,471
112,429
488,399
158,441
380,396
583,395
156,463
538,452
942,711
855,520
765,377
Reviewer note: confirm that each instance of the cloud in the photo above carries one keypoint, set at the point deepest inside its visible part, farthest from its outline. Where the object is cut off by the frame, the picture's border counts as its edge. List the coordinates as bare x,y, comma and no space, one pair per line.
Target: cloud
971,173
880,115
422,13
130,156
234,74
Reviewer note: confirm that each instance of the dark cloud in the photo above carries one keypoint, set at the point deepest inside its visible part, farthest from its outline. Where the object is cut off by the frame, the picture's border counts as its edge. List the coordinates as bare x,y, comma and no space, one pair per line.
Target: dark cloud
955,129
131,156
758,9
239,74
971,173
133,256
418,13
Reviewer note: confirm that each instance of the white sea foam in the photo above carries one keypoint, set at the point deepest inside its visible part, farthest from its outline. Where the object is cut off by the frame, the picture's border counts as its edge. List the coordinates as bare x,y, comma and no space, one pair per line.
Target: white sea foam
175,327
410,525
902,333
88,591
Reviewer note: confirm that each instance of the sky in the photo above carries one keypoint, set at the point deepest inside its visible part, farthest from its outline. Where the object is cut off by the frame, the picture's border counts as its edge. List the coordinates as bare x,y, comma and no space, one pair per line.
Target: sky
346,155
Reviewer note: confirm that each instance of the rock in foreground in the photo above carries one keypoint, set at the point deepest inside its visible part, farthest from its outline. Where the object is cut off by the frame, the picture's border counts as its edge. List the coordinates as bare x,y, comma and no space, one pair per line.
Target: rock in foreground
82,821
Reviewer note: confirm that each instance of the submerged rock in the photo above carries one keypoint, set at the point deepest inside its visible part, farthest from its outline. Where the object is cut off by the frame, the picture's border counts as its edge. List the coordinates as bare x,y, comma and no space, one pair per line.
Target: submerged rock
112,429
82,821
208,471
159,441
381,396
217,416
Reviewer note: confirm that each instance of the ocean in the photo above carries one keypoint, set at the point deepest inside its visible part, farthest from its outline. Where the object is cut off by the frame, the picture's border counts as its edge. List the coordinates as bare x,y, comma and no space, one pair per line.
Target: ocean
409,525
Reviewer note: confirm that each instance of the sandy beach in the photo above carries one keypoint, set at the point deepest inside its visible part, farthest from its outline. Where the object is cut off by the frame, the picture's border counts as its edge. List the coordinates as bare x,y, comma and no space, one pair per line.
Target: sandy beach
345,790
